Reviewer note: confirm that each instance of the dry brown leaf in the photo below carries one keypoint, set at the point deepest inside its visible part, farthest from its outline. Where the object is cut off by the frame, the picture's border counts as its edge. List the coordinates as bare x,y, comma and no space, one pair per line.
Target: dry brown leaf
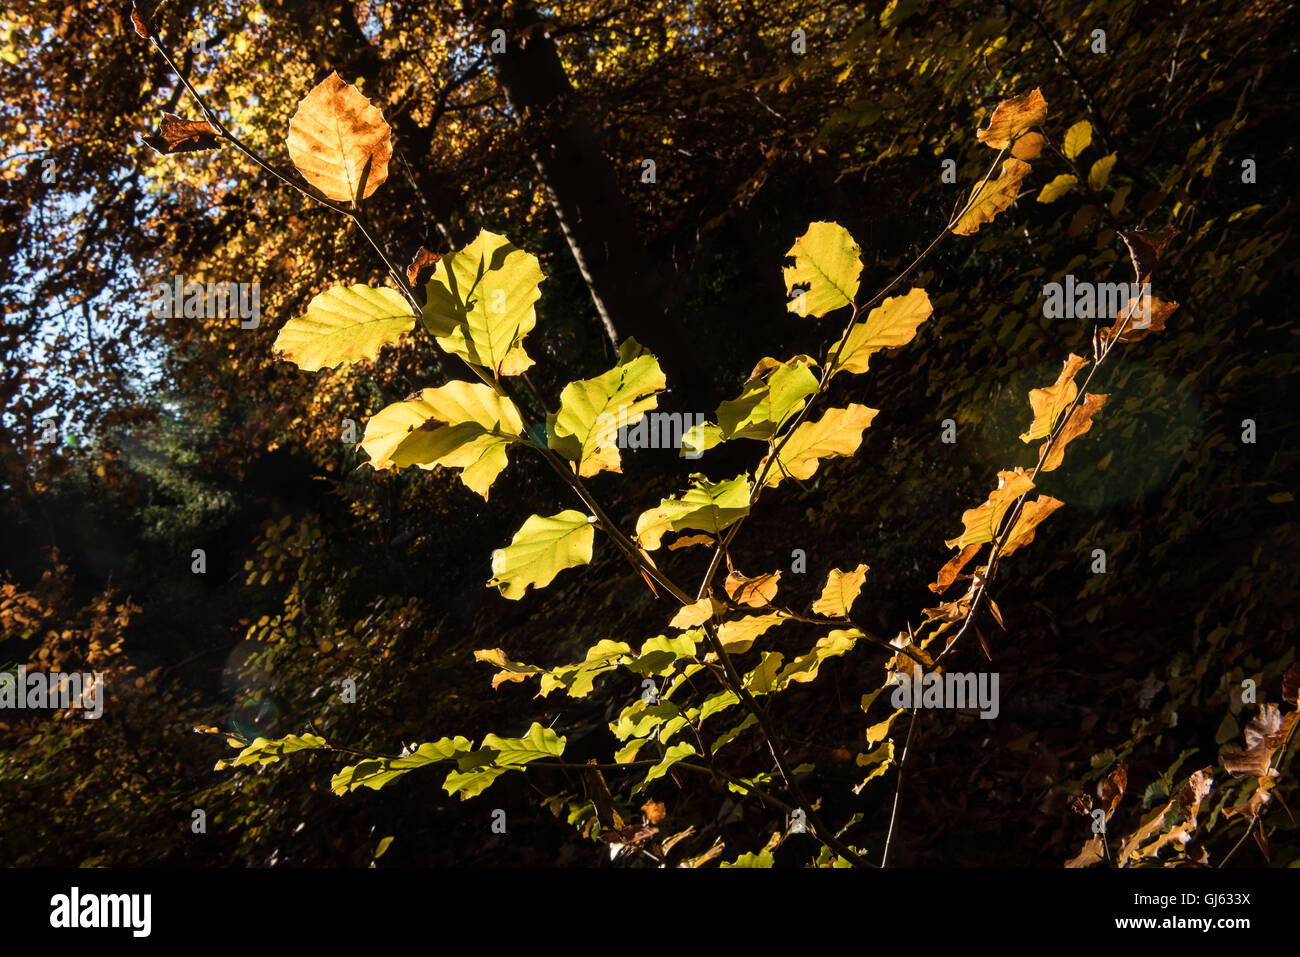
423,258
1134,324
179,135
948,574
1031,514
1264,735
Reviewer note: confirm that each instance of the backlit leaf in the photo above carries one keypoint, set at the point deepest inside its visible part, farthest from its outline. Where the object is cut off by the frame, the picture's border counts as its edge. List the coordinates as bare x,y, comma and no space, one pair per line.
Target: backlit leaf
335,136
1050,402
840,591
774,392
478,425
1079,422
1031,514
707,506
540,550
837,433
1013,117
992,197
480,300
981,524
1077,138
826,267
592,411
1057,188
376,773
1100,172
891,324
754,592
344,324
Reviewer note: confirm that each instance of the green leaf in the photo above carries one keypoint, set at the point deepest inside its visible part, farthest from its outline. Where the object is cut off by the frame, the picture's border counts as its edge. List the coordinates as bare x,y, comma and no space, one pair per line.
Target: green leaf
377,773
344,324
708,506
774,392
641,717
1057,188
891,324
826,262
763,678
585,430
837,433
659,654
478,769
480,425
576,680
674,754
540,550
804,668
480,303
1077,138
761,859
268,751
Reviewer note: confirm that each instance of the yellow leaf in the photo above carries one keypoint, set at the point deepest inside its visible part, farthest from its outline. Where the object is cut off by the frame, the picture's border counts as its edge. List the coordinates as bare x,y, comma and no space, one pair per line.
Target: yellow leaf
1100,172
1057,188
991,198
840,592
739,635
754,592
1079,422
344,324
1077,138
1049,403
1028,146
826,261
335,135
891,324
1031,514
981,524
838,432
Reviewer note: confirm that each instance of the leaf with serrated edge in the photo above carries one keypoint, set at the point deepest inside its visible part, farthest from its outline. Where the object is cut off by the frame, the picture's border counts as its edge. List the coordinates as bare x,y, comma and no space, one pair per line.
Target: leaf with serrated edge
344,324
540,550
708,506
891,324
840,592
826,261
837,433
592,411
479,303
478,769
804,668
478,426
334,135
377,773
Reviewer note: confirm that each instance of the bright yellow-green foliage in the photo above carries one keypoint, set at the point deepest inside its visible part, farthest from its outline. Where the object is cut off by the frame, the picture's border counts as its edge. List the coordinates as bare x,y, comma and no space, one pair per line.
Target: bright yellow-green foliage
345,324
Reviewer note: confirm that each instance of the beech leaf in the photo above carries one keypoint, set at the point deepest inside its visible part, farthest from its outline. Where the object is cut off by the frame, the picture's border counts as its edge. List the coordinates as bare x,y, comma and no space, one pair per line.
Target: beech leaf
540,550
344,324
337,137
826,261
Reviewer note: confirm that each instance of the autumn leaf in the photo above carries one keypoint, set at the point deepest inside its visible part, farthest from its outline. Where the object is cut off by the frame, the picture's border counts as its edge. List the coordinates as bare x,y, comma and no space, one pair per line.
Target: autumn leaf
738,636
480,300
344,324
693,615
1139,318
840,591
1049,403
463,425
1057,188
1079,422
1031,514
1100,172
585,430
422,259
540,550
773,393
706,506
1013,117
954,567
177,135
1077,138
1028,146
981,524
754,592
991,198
837,433
891,324
336,137
1265,734
1145,249
826,261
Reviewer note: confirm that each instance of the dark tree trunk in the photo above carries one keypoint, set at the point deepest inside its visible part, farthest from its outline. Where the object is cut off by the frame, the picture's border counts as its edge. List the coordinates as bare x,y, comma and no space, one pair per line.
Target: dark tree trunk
566,149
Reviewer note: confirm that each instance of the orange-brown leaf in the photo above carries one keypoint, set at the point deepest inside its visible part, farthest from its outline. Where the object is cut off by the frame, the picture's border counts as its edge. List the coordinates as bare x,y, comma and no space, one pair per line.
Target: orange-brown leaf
1013,117
981,524
754,592
1031,514
993,197
1049,403
1079,422
179,135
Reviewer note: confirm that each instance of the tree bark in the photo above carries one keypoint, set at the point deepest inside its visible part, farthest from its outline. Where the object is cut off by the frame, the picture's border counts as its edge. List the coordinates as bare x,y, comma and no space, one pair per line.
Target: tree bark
566,149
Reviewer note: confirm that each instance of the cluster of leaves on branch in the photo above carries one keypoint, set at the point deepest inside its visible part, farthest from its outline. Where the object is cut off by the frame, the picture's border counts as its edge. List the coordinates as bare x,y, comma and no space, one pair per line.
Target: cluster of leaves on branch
478,305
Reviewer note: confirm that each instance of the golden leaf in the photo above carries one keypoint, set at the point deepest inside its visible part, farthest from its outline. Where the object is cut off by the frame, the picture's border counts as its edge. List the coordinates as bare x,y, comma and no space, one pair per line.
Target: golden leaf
336,137
992,198
1013,117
